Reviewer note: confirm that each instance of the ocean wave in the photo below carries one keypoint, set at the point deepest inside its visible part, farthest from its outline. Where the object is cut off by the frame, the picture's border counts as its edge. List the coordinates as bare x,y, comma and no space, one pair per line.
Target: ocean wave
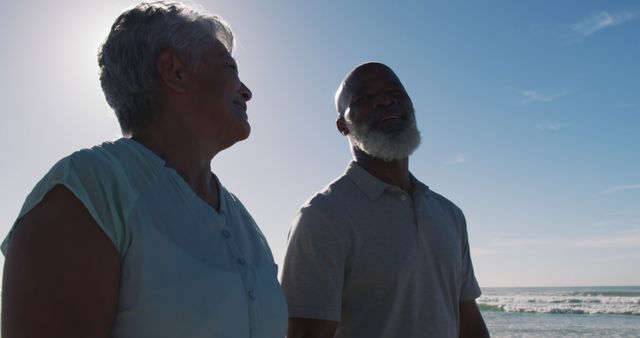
561,304
490,307
546,299
559,310
605,293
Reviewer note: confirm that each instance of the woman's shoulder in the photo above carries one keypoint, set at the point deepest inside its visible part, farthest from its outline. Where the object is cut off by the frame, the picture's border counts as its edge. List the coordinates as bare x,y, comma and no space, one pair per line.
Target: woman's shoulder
106,179
95,160
112,175
123,160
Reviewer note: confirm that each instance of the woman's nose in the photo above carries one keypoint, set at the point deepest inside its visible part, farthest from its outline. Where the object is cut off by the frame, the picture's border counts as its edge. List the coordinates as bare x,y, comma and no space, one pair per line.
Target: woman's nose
245,92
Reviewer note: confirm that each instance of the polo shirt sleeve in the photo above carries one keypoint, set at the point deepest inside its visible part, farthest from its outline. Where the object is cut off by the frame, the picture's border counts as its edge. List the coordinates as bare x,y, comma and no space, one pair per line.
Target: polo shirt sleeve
90,177
469,289
314,267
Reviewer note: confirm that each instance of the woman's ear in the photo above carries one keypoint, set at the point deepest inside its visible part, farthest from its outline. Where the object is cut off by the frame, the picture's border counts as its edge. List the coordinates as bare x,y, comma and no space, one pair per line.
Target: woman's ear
172,71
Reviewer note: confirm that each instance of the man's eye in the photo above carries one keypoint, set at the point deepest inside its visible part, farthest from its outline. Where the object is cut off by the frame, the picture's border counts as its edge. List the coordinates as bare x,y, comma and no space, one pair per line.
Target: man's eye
363,98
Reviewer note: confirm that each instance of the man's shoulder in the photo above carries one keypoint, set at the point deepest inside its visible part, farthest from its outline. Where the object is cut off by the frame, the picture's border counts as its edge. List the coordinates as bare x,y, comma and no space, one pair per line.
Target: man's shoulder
443,201
446,205
332,203
333,195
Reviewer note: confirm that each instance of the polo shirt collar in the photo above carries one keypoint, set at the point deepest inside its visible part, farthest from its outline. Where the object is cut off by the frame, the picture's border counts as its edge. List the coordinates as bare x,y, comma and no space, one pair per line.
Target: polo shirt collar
374,187
419,187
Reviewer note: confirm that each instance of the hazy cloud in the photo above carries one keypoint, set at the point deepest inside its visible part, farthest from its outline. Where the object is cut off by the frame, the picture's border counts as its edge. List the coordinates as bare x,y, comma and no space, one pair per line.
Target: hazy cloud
500,246
602,20
550,126
522,242
533,96
486,252
625,105
618,258
605,223
623,213
631,240
458,159
617,188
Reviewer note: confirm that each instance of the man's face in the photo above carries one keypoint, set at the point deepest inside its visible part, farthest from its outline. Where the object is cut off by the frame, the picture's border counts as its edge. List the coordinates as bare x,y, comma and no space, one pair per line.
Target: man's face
379,114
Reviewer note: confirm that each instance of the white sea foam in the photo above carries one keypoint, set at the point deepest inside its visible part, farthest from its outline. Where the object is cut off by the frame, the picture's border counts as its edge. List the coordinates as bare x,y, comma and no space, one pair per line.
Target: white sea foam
567,301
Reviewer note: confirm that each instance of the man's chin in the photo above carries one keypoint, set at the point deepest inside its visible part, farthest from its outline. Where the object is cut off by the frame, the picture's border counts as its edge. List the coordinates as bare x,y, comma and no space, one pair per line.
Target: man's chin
388,146
386,153
390,127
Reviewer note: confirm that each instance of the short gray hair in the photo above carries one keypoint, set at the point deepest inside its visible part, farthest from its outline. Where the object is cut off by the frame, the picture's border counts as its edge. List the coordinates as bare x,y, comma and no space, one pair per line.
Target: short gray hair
127,57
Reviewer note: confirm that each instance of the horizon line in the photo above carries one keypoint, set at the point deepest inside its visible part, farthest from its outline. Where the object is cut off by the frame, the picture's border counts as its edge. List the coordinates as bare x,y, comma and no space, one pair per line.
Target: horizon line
566,286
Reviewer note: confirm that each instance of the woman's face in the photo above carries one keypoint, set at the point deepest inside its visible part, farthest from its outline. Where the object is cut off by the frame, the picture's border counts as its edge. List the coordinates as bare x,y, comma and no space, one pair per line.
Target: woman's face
219,100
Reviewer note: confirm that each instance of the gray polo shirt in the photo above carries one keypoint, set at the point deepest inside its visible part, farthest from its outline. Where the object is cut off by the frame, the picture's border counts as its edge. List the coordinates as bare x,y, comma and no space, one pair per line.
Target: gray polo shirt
382,263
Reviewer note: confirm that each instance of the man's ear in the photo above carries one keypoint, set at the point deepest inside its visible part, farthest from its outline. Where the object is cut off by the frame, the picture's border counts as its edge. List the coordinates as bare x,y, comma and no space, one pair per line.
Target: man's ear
342,125
172,72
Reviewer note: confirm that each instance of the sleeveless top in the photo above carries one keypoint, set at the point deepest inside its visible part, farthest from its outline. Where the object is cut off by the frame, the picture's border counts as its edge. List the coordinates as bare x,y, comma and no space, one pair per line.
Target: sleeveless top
187,270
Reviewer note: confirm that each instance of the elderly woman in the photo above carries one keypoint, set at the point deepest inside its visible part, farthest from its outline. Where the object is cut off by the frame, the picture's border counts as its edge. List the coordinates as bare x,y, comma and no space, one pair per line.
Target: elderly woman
138,238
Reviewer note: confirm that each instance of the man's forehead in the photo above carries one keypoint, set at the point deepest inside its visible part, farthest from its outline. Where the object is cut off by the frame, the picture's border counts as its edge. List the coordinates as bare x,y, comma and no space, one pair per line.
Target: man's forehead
369,72
360,78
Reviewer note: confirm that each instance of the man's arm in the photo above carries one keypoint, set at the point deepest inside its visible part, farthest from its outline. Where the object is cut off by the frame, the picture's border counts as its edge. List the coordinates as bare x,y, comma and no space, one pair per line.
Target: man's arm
311,328
313,274
61,273
471,323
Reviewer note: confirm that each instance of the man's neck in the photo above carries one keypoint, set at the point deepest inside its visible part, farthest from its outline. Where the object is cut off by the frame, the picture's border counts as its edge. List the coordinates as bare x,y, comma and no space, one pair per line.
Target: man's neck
394,172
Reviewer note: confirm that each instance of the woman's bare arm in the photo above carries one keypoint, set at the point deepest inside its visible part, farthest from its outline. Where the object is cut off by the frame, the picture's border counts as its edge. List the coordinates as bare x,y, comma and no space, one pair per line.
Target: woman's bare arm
61,273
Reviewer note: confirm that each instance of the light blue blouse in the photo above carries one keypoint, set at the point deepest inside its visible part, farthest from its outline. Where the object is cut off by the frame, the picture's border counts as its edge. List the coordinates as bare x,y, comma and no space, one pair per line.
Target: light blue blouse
188,270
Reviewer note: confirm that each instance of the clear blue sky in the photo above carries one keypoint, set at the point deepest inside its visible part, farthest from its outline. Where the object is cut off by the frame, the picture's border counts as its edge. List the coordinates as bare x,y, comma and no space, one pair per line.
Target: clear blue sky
530,113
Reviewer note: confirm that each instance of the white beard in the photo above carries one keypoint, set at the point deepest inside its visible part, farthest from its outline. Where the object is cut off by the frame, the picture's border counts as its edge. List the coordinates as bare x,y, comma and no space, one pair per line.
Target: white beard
387,146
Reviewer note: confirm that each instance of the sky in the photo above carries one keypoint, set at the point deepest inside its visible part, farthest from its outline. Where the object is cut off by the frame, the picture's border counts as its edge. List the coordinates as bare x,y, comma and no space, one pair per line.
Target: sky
530,115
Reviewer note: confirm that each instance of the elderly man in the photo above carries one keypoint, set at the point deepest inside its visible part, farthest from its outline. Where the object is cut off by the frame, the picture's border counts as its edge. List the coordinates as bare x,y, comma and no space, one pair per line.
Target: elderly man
377,253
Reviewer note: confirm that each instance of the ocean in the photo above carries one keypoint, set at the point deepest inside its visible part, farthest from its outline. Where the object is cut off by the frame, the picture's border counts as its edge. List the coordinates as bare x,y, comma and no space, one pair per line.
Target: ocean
565,312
